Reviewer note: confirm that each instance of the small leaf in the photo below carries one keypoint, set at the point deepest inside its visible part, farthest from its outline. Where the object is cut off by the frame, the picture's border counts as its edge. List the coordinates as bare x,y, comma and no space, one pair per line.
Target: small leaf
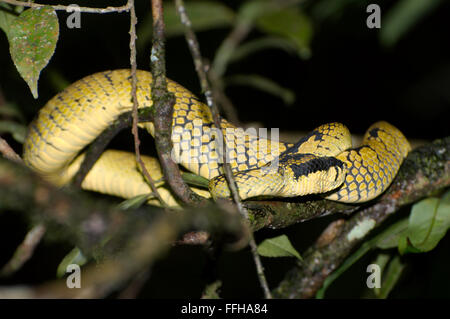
211,291
402,17
253,9
382,261
291,24
134,202
390,237
195,180
18,131
278,247
391,277
263,84
74,257
204,15
428,222
32,42
250,47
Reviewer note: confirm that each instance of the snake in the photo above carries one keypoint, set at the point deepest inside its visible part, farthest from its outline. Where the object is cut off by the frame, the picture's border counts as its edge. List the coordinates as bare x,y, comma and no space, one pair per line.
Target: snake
322,162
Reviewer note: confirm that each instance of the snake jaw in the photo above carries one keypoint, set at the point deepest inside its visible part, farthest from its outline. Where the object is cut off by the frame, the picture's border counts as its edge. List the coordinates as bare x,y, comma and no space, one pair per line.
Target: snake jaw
250,183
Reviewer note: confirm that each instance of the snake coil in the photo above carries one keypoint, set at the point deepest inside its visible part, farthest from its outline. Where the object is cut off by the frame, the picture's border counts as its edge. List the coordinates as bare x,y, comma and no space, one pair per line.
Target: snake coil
324,161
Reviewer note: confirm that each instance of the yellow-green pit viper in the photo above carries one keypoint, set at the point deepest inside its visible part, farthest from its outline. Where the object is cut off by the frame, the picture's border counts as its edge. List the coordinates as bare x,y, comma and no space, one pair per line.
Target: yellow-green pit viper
323,161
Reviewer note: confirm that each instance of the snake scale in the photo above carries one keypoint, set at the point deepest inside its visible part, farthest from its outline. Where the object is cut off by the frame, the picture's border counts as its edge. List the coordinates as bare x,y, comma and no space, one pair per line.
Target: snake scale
323,161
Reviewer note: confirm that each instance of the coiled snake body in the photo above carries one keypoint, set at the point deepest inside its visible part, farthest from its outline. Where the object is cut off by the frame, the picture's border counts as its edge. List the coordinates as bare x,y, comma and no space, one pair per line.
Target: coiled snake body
321,162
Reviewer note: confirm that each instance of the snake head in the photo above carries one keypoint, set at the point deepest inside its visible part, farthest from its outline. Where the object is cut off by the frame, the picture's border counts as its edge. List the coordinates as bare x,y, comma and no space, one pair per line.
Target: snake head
256,182
306,174
290,176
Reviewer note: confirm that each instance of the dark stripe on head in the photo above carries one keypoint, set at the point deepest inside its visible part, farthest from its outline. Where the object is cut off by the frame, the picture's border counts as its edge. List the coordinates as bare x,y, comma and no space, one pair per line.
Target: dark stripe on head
374,132
315,165
317,137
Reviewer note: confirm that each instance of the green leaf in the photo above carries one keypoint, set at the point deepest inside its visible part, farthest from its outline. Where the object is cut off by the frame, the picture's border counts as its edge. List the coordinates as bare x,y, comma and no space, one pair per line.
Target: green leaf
426,226
391,277
18,131
263,84
390,237
402,17
382,261
211,291
253,9
428,222
134,202
74,257
204,15
405,247
291,24
250,47
195,180
278,247
32,41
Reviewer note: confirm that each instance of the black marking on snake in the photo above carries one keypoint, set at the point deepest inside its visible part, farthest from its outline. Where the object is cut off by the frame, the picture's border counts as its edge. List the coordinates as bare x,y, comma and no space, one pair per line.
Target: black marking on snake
314,165
52,118
374,132
337,173
106,75
196,99
294,148
39,133
100,83
59,111
94,91
81,92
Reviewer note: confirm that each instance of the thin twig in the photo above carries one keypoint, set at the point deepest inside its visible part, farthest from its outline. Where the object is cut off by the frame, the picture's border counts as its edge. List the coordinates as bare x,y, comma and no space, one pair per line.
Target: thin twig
97,147
8,152
134,130
100,228
194,47
24,251
163,102
62,7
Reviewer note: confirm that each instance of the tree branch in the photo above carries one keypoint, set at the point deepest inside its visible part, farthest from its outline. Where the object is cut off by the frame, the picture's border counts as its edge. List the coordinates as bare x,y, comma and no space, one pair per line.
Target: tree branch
194,47
101,230
163,102
425,171
134,129
61,7
8,152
